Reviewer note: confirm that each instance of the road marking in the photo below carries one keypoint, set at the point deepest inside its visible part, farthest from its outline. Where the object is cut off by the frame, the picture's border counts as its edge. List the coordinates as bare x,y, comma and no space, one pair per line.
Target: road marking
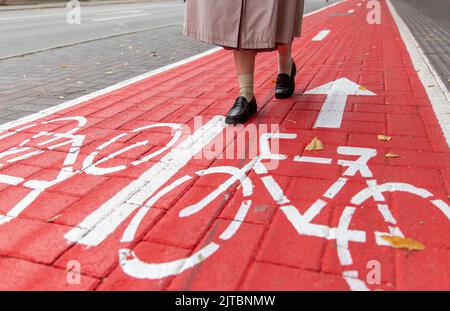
316,160
321,35
337,92
119,17
439,96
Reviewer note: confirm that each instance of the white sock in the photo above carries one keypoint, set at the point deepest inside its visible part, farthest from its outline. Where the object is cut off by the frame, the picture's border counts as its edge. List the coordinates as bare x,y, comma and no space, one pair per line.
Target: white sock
246,86
285,64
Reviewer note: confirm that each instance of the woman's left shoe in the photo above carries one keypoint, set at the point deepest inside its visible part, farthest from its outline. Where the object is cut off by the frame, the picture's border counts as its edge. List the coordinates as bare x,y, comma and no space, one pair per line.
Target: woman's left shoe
285,86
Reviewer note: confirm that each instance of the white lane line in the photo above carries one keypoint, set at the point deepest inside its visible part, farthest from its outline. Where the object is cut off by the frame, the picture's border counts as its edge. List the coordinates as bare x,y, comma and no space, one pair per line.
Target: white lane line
316,160
118,17
439,95
321,35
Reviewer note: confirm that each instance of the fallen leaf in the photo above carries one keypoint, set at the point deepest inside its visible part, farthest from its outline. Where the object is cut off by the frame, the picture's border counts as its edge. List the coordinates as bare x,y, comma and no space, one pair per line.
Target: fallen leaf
314,145
391,155
109,72
384,137
63,66
362,88
407,243
54,218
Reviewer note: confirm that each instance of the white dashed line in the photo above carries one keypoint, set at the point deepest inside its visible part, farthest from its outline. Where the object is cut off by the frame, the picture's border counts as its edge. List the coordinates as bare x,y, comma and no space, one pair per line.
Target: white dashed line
321,35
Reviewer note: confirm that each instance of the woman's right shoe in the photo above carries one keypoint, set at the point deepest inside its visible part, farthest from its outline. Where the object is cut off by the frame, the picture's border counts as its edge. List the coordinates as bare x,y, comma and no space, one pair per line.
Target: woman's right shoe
241,111
285,86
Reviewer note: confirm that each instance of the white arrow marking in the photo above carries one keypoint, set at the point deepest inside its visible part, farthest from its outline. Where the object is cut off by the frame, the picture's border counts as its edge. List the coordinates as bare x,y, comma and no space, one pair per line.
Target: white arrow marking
332,111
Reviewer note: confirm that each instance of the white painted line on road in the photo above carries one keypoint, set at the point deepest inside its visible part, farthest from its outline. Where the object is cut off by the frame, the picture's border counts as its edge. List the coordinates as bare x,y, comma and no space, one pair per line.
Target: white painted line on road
321,35
119,12
439,95
118,17
316,160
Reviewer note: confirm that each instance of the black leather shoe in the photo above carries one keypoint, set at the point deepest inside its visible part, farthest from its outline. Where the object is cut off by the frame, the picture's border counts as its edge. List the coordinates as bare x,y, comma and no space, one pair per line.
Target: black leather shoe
285,86
241,111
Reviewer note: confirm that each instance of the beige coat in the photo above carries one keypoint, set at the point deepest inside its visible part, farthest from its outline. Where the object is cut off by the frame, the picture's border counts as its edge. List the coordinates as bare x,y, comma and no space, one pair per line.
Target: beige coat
246,24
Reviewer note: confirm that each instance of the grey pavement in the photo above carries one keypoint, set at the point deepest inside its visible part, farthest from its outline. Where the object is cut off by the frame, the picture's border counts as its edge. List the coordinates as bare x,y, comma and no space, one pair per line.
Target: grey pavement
429,23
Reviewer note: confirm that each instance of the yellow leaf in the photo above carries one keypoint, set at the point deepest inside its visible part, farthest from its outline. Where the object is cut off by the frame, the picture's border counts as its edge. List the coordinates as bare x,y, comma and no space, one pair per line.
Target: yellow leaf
362,88
54,218
314,145
384,137
399,242
391,155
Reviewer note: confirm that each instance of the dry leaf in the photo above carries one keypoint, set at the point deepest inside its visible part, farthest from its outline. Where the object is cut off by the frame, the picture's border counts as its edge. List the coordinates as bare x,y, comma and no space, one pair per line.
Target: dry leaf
314,145
384,137
399,242
109,72
391,155
63,66
54,218
362,88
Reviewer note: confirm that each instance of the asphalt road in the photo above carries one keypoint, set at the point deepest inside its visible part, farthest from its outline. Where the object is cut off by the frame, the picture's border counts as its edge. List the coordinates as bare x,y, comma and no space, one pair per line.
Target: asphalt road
26,31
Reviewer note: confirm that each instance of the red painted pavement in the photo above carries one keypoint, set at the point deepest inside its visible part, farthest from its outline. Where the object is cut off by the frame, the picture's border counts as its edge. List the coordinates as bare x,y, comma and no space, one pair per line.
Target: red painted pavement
272,249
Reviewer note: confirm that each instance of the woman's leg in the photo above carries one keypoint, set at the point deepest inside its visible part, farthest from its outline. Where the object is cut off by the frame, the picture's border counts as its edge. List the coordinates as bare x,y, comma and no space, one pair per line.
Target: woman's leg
245,69
285,59
245,105
287,70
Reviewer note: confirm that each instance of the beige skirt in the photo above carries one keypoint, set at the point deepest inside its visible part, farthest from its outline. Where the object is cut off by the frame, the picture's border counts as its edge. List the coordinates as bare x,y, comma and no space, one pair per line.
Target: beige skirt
244,24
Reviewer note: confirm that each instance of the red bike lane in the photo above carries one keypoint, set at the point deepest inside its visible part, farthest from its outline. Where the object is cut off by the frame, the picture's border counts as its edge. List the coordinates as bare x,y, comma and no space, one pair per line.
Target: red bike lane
128,190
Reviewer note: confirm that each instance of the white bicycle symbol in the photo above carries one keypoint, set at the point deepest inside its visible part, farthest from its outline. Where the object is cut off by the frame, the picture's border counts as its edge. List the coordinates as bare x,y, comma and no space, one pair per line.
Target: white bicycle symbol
46,141
303,223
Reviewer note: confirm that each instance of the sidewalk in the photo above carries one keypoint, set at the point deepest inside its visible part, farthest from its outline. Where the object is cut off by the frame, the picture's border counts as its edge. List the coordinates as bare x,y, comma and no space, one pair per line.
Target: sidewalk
121,196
